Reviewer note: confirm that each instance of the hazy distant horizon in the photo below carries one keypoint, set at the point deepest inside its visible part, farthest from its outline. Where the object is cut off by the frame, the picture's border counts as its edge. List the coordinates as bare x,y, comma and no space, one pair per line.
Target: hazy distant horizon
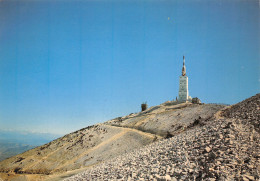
65,65
13,142
25,132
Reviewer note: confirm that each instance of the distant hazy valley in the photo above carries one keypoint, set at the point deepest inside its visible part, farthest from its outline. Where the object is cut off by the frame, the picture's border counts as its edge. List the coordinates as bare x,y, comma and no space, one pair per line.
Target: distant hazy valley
15,142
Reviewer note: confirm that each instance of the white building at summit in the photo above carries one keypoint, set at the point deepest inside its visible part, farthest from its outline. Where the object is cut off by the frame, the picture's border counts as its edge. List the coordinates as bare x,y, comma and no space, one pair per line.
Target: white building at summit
183,86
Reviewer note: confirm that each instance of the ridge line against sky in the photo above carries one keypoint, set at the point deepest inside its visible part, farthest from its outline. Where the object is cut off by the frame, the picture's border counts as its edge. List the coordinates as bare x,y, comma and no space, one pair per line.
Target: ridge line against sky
65,65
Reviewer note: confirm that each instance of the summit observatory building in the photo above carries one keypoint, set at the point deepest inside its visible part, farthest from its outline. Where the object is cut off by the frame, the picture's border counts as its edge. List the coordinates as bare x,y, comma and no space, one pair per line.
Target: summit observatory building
183,86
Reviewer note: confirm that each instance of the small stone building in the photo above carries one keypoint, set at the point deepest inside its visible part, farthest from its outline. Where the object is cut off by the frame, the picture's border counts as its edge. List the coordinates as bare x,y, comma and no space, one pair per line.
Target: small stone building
196,100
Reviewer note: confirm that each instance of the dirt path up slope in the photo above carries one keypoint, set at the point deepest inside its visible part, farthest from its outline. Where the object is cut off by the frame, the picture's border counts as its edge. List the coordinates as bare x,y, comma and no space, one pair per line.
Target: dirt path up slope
77,150
227,148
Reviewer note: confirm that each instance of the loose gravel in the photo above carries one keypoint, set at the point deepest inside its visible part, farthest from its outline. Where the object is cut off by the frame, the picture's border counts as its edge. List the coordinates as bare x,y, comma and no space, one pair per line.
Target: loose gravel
223,149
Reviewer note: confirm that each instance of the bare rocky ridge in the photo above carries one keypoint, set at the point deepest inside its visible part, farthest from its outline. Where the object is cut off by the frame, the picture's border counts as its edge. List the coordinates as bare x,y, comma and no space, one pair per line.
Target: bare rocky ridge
168,118
248,110
95,144
79,149
223,148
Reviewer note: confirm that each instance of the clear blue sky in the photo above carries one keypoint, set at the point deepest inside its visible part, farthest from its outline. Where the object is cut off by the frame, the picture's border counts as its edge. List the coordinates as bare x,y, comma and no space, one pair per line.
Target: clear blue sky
66,64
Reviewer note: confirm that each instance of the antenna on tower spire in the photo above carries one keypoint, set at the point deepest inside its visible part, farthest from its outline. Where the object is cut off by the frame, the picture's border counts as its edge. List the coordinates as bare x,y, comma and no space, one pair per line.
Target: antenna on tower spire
183,68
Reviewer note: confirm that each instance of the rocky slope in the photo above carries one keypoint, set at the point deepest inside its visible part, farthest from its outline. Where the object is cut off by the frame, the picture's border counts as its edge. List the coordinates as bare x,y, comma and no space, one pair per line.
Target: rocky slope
92,145
226,147
168,118
79,149
247,110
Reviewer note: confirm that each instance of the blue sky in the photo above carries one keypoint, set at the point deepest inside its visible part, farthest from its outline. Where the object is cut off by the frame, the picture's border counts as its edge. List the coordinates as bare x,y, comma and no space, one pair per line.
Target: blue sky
66,64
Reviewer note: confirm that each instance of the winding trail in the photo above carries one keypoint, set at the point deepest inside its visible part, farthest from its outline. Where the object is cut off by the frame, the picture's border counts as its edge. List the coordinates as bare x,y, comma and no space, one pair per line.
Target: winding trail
45,157
113,138
137,131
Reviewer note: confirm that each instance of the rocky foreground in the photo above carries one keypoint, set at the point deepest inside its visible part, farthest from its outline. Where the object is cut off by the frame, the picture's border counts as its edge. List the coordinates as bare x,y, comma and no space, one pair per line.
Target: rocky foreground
227,147
98,143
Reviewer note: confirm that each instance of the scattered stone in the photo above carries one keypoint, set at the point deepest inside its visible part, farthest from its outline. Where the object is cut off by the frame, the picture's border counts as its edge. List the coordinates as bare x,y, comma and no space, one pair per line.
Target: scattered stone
225,148
249,177
167,177
208,149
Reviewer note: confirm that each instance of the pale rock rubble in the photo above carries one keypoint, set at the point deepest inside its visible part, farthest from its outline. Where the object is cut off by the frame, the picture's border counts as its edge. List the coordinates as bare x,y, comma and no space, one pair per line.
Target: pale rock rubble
226,148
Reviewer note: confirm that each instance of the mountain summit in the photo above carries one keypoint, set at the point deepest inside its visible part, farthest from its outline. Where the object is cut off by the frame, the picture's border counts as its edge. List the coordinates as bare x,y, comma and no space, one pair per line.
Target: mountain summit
190,141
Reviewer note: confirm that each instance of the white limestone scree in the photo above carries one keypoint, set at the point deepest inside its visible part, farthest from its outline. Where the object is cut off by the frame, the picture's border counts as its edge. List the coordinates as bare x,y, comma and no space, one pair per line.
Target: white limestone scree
183,86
